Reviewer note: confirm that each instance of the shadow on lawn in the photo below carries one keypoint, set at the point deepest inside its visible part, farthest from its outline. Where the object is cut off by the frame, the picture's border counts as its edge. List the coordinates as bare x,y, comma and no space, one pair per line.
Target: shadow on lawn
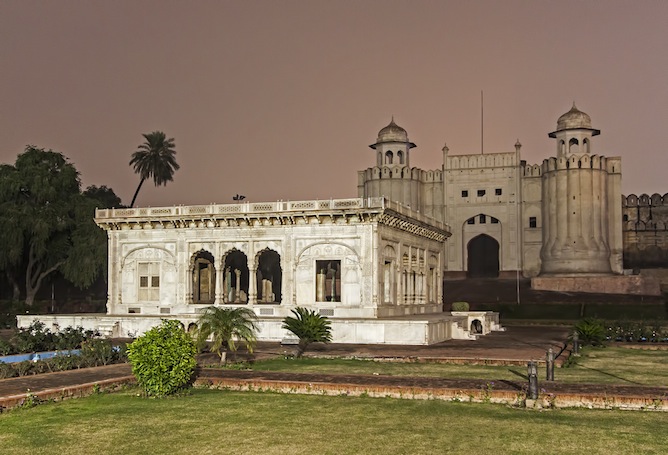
611,375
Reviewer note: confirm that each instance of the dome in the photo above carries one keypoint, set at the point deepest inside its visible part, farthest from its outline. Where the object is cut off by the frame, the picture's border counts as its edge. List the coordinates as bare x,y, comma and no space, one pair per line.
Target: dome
392,133
574,119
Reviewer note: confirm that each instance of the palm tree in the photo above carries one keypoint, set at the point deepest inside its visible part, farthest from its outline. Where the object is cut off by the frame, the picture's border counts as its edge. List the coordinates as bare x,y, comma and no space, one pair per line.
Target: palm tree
309,327
225,325
154,158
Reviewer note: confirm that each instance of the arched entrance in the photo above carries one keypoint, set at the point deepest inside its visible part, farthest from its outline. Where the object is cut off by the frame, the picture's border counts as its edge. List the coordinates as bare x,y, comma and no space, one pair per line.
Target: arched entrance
483,257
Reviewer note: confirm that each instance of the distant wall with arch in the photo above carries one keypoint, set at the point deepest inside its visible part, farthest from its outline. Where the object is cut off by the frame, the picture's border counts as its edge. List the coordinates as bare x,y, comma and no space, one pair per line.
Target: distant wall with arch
645,230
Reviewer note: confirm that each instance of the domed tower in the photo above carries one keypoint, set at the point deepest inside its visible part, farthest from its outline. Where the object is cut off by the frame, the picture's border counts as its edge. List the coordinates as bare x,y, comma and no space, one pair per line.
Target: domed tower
392,146
392,177
574,133
579,202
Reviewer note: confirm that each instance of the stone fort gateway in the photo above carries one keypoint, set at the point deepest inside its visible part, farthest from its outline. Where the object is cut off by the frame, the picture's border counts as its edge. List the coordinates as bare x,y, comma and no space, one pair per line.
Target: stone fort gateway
375,265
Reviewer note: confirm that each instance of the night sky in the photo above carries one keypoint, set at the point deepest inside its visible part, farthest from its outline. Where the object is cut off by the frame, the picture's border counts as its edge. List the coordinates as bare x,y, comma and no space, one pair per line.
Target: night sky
280,99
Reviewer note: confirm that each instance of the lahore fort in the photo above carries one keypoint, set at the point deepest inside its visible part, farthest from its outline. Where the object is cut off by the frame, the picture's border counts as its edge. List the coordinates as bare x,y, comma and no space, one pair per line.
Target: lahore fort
376,264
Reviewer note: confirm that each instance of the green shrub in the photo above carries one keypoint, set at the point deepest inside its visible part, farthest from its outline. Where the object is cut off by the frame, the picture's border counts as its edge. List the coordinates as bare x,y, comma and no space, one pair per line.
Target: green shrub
97,351
5,347
24,368
65,362
309,327
163,359
71,338
460,306
34,338
7,371
591,331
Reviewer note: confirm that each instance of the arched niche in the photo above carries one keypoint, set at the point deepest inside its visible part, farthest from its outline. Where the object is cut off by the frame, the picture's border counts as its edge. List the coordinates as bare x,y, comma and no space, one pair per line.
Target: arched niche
148,274
235,280
329,272
269,276
203,278
389,259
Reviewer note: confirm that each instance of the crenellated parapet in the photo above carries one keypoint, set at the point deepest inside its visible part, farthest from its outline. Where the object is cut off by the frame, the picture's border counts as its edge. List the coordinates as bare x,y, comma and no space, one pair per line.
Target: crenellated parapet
401,173
594,162
488,160
645,230
531,170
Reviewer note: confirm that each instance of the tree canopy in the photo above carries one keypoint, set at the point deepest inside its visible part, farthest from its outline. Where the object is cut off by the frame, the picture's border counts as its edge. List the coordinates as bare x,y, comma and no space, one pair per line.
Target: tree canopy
46,222
155,158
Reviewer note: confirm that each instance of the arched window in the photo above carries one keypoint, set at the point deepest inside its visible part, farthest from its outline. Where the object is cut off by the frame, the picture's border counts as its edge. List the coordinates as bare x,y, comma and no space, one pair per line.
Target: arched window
388,157
585,144
573,146
400,155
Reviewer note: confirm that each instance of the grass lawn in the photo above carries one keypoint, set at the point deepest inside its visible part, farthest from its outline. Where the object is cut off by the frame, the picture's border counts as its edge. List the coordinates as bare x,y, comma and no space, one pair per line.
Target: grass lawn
611,365
216,422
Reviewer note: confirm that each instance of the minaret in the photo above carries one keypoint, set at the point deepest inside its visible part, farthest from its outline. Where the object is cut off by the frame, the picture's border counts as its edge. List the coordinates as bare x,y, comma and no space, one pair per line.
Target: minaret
575,201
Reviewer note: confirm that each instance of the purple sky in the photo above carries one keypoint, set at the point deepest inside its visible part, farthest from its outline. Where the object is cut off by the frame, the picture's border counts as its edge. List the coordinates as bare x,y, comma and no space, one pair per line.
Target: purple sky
280,99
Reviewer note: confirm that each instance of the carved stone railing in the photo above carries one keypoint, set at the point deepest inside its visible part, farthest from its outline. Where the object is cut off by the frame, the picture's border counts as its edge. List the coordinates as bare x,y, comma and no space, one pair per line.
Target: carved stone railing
248,209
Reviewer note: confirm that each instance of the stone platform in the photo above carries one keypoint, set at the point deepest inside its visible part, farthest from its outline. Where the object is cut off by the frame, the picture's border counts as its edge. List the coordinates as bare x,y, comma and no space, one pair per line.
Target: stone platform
423,329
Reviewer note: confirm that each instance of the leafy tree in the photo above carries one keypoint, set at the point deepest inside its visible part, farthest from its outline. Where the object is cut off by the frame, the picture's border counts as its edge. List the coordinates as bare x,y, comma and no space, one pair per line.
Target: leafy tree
104,196
46,223
163,359
155,159
309,327
224,326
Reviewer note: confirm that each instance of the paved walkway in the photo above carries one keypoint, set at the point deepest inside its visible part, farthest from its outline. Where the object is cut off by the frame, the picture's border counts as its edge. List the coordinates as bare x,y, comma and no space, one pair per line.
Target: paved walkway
515,346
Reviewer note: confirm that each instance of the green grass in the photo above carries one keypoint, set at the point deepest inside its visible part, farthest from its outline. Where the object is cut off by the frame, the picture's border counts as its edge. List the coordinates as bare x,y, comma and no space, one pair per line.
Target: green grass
213,422
611,365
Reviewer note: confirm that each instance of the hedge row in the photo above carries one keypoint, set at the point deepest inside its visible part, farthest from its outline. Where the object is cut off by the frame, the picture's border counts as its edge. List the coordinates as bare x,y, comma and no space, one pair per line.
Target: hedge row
94,352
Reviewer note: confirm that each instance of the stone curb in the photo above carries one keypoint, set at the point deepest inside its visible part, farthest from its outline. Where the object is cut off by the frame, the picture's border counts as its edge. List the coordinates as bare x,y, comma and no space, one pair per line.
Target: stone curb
63,393
512,398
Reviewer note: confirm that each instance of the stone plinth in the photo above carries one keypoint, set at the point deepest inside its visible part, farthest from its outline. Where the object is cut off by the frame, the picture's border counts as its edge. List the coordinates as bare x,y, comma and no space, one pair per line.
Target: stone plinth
599,284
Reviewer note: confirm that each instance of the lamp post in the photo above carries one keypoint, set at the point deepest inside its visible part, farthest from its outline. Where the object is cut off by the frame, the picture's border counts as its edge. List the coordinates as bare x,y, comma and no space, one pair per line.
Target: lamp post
532,374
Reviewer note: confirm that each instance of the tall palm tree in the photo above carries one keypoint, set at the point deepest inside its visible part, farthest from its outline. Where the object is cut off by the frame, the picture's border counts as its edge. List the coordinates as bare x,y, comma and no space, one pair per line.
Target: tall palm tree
225,326
154,158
